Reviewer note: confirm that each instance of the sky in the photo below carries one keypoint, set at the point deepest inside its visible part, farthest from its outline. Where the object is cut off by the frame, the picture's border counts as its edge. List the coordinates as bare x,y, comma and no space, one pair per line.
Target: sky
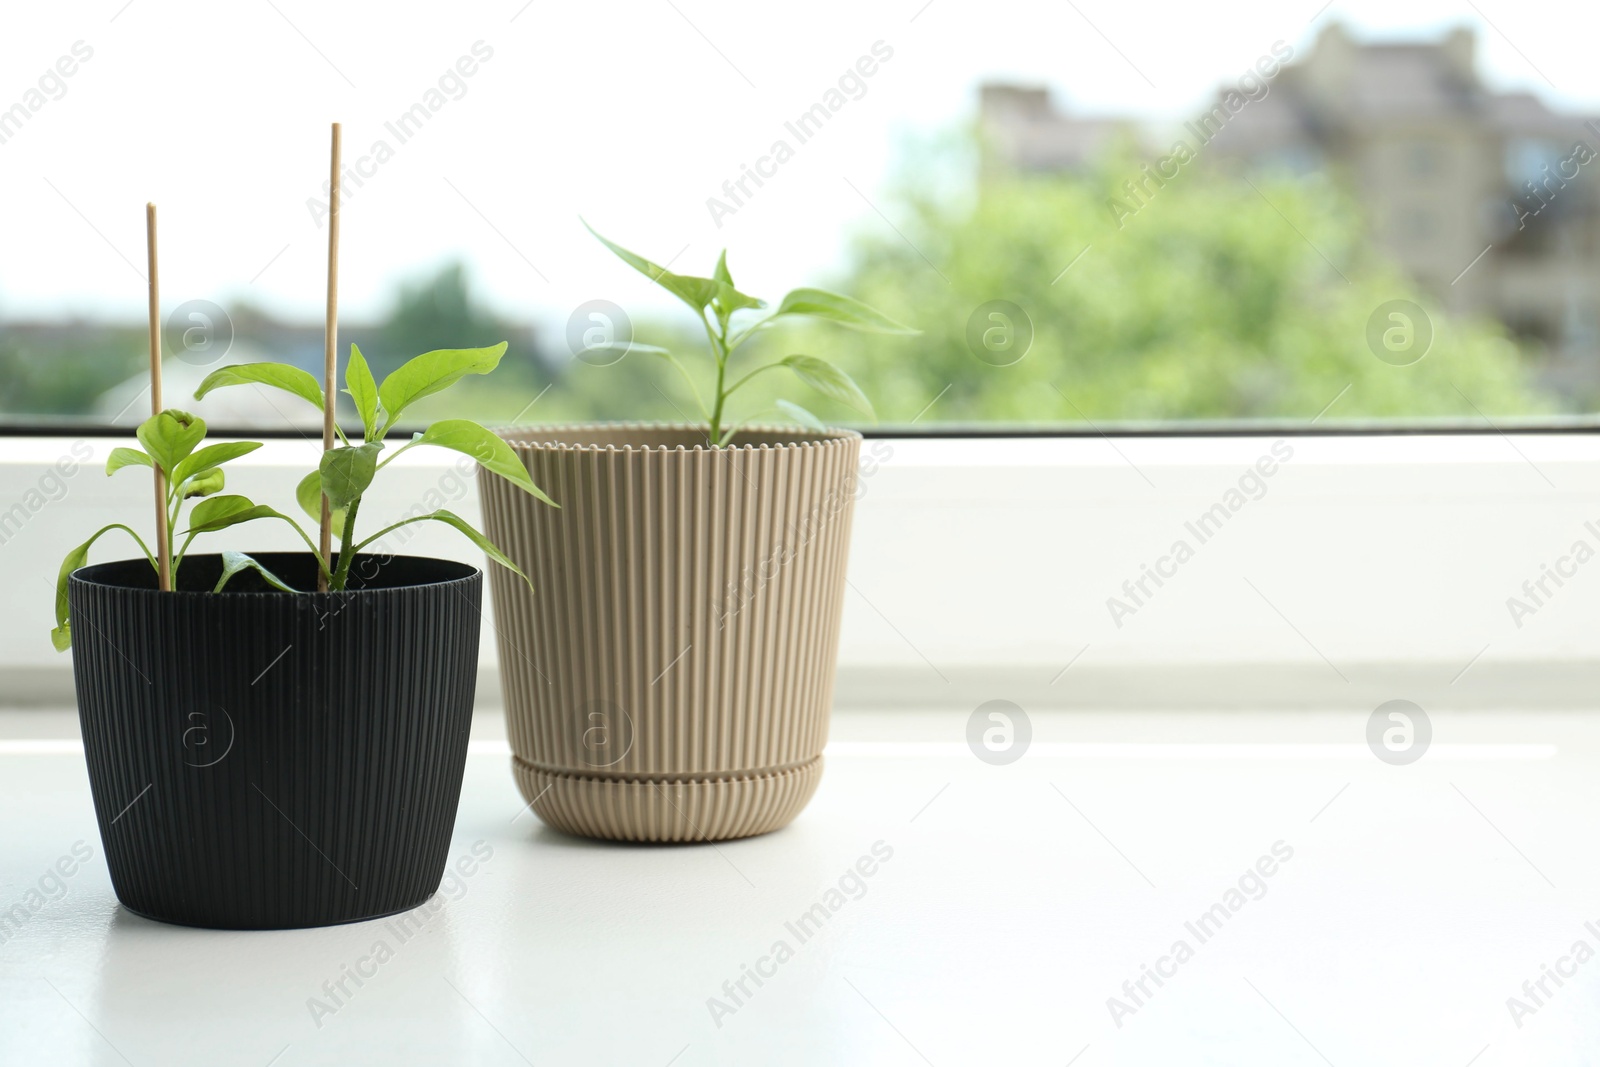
630,115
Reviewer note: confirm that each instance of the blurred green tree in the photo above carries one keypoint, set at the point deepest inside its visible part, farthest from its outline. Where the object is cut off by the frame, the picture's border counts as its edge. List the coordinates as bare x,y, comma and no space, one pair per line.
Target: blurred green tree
440,311
1217,297
63,371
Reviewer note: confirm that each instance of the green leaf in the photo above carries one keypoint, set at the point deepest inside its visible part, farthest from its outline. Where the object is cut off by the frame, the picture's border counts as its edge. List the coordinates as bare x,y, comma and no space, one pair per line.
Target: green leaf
126,457
170,436
220,512
308,494
234,562
204,483
213,456
451,519
364,391
61,636
430,373
491,452
728,299
278,375
346,473
696,292
821,304
801,415
830,381
623,348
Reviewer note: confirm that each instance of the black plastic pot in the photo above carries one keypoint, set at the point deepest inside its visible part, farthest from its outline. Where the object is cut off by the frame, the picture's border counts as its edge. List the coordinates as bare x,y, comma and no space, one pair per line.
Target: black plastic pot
263,760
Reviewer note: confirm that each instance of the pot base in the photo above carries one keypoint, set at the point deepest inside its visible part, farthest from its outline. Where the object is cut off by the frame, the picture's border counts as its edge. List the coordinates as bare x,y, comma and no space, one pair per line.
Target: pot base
673,810
169,920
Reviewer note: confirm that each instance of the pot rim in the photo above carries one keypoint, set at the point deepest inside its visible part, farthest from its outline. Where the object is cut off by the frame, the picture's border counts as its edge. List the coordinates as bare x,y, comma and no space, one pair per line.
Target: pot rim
518,437
85,575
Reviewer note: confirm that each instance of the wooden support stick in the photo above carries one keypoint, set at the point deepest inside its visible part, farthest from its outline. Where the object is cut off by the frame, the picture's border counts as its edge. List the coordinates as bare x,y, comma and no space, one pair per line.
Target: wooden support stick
163,544
330,356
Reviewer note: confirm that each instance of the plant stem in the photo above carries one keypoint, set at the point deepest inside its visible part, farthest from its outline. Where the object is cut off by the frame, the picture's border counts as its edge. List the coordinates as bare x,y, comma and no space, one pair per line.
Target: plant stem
394,455
694,390
741,338
347,548
759,370
176,505
719,349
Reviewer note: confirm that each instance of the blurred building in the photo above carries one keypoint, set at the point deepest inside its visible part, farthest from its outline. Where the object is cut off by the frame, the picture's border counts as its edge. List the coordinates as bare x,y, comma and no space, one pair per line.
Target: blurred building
1444,167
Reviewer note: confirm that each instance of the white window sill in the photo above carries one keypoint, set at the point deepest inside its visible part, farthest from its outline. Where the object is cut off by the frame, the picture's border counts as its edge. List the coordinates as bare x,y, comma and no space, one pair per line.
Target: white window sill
1370,567
1016,902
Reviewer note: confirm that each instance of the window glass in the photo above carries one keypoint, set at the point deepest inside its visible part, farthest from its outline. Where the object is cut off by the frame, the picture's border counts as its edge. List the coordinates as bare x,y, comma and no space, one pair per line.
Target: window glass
1385,214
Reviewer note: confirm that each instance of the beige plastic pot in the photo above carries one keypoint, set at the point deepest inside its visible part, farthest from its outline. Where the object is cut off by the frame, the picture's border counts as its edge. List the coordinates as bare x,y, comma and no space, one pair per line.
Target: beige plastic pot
670,677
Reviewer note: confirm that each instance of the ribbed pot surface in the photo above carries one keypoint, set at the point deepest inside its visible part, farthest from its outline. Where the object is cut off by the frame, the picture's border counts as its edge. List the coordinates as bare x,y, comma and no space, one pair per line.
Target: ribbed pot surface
670,678
262,760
